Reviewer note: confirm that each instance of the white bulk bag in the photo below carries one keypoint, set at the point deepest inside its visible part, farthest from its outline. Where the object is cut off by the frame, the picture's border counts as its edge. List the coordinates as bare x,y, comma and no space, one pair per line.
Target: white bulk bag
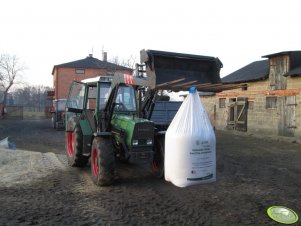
4,143
190,145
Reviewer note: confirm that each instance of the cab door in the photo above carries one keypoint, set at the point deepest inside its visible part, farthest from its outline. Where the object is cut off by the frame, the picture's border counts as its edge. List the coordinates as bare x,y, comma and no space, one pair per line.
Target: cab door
75,104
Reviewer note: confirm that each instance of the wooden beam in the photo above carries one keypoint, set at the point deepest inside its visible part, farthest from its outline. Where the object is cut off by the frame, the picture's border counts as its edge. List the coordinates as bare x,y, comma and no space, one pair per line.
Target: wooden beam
186,83
169,83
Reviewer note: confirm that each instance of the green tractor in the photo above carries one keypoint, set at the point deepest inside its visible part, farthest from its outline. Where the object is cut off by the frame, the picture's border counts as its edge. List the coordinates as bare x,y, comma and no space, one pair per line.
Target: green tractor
123,116
102,123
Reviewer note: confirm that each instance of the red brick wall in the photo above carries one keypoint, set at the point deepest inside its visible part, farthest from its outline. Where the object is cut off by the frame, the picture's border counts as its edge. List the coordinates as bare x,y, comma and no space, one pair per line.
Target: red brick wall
63,77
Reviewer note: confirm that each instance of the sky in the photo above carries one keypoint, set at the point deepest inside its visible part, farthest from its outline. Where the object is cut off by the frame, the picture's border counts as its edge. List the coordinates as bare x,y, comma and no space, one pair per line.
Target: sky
46,33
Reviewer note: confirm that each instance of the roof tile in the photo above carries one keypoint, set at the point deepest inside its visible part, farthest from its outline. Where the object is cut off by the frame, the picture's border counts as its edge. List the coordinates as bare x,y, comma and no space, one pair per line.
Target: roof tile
91,62
258,70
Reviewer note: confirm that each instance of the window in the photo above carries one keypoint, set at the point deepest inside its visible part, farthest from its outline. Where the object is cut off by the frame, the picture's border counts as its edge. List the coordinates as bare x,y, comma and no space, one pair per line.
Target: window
271,103
125,99
61,105
104,91
76,96
79,71
245,87
222,102
92,94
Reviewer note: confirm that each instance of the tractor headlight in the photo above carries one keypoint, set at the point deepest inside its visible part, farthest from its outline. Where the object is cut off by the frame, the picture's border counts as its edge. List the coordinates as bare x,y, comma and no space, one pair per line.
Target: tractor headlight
135,142
149,141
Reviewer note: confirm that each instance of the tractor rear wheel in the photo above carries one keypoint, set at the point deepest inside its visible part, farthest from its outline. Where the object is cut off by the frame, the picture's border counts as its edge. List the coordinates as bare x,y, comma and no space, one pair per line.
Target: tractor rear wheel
158,161
74,148
102,161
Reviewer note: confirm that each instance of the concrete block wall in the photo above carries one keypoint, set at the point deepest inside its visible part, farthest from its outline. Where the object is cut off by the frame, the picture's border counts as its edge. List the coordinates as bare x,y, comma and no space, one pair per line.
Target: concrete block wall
218,116
261,119
298,117
294,83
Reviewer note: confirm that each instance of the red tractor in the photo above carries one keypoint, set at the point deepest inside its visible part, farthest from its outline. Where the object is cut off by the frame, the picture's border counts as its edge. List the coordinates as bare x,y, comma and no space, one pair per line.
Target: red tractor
57,114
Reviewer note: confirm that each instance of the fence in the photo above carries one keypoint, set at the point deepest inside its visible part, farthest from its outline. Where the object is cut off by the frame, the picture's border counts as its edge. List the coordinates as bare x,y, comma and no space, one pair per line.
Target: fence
22,112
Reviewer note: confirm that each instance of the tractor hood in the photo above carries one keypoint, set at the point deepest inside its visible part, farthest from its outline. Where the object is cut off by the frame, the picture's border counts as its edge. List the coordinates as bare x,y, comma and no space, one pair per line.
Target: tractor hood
133,127
127,119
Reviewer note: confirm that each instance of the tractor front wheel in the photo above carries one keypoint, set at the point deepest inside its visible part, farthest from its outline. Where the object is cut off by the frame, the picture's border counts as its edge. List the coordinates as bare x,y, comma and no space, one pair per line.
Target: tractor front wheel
74,148
102,161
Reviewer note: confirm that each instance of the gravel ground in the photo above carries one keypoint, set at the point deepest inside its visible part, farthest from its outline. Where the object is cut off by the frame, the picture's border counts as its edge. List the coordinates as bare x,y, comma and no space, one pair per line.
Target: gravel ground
33,135
38,188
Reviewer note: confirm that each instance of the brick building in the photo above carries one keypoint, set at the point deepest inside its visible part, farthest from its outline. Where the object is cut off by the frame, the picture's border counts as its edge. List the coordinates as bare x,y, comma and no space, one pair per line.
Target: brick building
269,103
89,67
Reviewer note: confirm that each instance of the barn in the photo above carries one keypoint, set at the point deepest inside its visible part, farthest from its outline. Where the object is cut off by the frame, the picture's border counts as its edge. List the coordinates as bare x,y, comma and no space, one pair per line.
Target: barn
269,101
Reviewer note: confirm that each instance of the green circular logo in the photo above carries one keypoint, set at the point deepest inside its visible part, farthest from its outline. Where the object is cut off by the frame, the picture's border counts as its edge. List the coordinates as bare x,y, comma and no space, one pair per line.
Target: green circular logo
282,214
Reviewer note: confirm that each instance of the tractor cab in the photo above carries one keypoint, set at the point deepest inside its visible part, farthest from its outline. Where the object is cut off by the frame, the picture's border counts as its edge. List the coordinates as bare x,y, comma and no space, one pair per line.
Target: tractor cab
86,99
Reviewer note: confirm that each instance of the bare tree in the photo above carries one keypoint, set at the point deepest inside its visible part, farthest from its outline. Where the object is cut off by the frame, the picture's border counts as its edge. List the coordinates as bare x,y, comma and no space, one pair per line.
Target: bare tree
10,72
31,96
130,62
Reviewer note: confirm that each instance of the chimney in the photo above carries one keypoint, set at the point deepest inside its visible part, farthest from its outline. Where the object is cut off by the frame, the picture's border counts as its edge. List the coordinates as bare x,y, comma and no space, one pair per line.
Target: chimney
104,56
90,55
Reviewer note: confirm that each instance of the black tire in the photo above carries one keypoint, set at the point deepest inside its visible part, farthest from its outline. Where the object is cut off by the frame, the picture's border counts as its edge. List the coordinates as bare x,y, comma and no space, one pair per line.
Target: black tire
157,164
102,161
74,148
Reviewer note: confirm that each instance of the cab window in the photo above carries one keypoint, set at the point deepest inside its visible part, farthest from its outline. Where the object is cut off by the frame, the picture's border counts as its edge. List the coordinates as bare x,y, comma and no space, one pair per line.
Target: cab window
104,91
125,99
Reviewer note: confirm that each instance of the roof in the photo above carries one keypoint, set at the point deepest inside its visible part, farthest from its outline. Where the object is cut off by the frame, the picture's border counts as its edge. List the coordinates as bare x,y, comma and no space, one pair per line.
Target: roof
294,73
90,62
281,54
102,78
258,70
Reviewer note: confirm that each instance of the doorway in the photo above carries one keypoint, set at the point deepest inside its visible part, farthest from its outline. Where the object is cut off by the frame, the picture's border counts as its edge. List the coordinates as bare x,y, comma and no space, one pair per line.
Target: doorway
238,114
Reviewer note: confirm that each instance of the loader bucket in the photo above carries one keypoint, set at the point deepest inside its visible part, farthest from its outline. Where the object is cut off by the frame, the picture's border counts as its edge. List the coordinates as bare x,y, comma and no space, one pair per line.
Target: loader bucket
176,71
